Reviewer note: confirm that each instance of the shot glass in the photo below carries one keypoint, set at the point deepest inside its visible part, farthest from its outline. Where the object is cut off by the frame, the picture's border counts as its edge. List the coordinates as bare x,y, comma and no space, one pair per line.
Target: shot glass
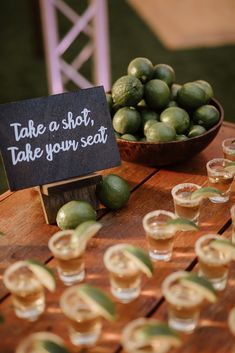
232,211
27,291
220,178
184,206
228,146
34,343
231,321
125,276
213,263
70,259
160,238
184,303
84,324
133,342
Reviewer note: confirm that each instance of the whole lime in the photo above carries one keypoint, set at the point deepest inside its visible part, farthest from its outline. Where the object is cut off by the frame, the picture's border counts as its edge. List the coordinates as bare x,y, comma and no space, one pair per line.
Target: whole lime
71,214
174,90
127,91
147,125
129,137
113,192
177,118
127,120
196,130
148,114
191,95
165,73
207,115
160,132
207,89
156,94
142,68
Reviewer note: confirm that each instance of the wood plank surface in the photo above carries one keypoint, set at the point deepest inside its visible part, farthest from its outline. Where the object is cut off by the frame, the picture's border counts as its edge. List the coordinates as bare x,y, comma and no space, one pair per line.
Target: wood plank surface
126,226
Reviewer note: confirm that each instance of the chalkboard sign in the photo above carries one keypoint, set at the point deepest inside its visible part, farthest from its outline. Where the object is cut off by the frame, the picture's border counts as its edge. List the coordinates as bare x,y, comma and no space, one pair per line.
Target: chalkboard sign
55,138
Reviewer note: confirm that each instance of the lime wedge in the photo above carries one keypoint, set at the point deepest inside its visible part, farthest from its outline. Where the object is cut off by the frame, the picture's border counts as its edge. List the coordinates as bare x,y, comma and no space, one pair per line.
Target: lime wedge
201,284
225,245
43,273
159,330
98,301
83,233
140,258
204,193
181,224
53,347
230,167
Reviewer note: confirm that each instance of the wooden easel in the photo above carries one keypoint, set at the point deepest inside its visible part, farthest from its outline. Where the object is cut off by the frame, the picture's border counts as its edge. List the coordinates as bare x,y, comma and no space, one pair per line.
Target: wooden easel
55,195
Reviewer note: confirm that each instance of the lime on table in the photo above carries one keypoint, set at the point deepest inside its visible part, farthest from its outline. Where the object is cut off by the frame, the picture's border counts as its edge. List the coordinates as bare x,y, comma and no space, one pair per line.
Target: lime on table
142,68
52,347
191,95
224,245
165,73
204,193
156,331
201,285
177,118
160,132
156,94
73,213
127,91
181,224
43,273
113,192
83,233
127,120
98,301
140,258
207,116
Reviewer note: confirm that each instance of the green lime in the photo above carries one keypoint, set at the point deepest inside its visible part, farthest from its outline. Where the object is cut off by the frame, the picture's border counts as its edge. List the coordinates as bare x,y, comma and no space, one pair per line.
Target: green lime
113,192
191,95
204,193
43,273
147,125
127,91
109,100
165,73
117,135
73,213
174,91
207,89
196,130
181,224
129,137
160,132
230,167
177,118
181,138
142,68
225,246
83,233
172,104
206,115
156,94
140,258
158,331
148,114
98,301
52,347
142,139
127,120
201,285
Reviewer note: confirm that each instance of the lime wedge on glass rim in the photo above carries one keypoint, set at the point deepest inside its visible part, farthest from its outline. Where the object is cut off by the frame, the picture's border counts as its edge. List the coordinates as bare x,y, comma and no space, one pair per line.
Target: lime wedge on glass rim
205,193
43,273
140,258
201,285
98,301
181,224
230,167
83,233
52,347
156,331
224,245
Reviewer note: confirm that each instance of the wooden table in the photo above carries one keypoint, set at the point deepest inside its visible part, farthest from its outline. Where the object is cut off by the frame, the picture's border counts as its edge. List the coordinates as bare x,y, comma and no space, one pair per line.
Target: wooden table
27,236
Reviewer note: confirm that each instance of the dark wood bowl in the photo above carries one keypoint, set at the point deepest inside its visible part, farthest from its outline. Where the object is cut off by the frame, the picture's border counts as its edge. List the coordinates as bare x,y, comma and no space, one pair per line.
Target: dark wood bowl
164,153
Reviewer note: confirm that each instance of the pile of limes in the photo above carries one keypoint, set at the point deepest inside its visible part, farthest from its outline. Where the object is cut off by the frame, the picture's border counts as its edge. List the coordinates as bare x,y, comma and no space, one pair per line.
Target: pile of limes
147,104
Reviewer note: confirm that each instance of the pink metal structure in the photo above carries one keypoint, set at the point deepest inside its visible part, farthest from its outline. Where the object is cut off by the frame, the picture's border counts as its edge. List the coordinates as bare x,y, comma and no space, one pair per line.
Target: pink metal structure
94,23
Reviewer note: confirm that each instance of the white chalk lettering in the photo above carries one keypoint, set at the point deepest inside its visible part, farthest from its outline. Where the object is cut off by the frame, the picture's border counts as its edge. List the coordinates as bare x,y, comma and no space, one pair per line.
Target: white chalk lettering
72,122
54,126
26,155
29,131
100,137
64,146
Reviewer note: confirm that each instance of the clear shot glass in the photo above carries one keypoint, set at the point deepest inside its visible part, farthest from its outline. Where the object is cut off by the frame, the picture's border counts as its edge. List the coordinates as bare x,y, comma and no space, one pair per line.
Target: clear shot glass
228,146
219,178
69,258
35,343
232,211
27,291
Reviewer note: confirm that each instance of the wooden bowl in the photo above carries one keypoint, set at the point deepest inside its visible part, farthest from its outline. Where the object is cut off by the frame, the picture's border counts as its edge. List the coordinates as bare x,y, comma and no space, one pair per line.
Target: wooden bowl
164,153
